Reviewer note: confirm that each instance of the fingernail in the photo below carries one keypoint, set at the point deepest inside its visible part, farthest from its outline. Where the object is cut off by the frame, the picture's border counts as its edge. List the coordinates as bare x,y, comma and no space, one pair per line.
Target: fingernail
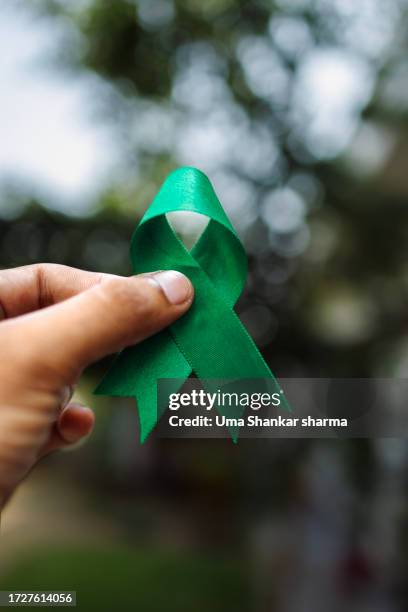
175,286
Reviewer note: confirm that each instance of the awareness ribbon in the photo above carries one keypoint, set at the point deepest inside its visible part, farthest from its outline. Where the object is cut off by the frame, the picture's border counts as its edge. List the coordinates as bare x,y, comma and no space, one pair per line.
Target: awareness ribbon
209,339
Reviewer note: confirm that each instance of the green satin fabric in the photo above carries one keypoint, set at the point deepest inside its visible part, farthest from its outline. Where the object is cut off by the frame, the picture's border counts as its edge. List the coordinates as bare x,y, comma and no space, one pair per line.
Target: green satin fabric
209,339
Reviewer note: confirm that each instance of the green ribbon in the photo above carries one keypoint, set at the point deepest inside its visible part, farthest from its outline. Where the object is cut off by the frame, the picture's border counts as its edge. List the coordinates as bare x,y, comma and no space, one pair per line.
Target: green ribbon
209,339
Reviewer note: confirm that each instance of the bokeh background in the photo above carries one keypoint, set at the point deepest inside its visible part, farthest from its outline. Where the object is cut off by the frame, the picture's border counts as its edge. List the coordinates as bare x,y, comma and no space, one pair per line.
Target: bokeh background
298,112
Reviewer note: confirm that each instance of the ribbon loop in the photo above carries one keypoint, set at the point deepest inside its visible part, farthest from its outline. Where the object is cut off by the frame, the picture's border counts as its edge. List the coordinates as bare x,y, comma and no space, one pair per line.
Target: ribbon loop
209,339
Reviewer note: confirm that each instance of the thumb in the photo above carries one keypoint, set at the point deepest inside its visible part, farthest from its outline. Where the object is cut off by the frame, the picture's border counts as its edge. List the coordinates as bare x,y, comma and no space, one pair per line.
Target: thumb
104,319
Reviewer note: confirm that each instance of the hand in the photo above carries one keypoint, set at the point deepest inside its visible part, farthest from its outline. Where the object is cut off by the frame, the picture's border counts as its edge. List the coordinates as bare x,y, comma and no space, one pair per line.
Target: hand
54,321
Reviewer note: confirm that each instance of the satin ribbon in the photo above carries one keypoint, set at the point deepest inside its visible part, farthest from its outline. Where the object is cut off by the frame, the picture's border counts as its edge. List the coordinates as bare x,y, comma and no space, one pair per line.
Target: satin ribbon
209,339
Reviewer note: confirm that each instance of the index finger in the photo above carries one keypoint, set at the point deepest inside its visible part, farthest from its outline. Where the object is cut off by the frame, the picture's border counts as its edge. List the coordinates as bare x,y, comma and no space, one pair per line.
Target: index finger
30,288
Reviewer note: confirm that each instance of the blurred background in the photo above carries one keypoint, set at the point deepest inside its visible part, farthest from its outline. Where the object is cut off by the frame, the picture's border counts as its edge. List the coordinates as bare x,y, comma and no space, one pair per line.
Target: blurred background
298,112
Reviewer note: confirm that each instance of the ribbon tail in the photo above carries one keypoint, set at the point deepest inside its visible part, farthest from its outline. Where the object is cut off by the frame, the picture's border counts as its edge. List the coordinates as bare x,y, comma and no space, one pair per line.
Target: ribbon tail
147,417
134,371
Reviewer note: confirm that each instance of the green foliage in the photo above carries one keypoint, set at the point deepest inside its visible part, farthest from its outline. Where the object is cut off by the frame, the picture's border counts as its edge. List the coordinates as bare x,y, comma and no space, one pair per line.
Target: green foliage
122,579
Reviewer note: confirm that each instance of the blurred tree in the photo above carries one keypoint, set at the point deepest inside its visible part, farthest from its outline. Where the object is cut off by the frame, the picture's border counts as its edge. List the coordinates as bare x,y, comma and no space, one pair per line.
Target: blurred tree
288,106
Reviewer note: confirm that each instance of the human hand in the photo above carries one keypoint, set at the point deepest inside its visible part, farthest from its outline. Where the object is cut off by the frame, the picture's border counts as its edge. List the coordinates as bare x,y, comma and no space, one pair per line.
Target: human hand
54,321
